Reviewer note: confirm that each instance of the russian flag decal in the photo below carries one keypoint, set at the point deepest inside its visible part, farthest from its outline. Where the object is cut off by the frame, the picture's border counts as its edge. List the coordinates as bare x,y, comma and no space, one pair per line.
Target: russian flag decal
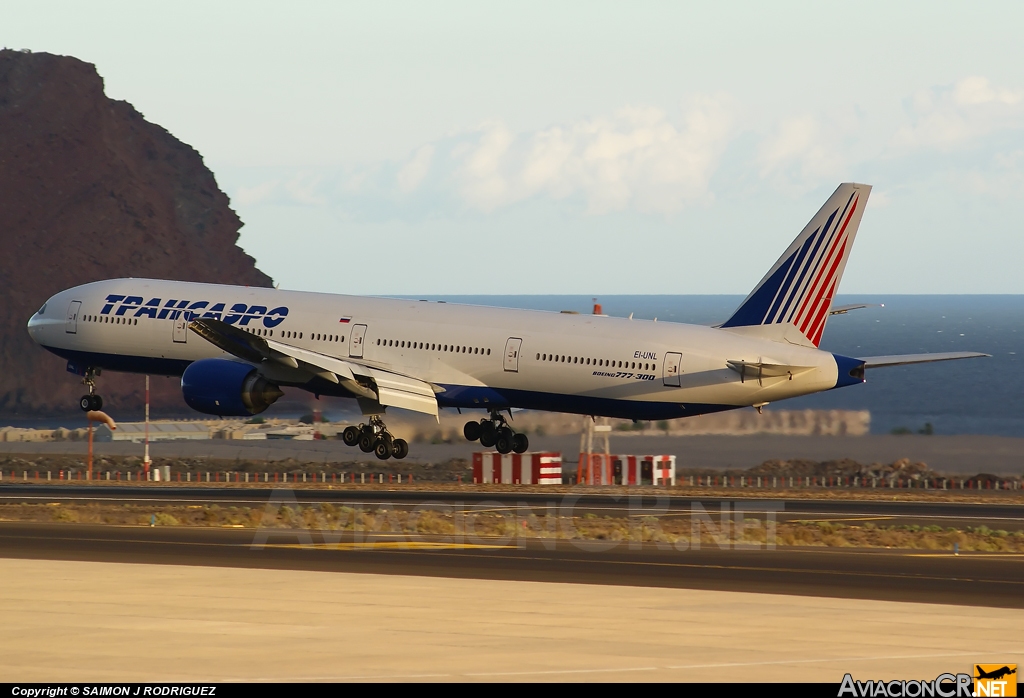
344,320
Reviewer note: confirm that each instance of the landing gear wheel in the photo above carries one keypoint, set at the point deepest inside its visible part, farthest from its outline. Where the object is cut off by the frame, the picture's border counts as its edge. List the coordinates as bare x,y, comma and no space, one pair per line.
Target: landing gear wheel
367,441
471,431
350,436
505,441
520,443
400,449
91,402
383,448
488,435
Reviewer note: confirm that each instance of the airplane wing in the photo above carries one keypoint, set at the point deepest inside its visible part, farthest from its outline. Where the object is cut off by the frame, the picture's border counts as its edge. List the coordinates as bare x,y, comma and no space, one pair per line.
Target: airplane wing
386,387
903,359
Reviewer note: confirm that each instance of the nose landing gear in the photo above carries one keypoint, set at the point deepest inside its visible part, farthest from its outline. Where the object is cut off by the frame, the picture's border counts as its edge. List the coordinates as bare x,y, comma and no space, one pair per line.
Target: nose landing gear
495,433
375,437
92,401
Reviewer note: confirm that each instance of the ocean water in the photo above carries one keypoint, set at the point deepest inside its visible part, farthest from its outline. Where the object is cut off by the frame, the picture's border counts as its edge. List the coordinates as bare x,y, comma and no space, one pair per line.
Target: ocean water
973,396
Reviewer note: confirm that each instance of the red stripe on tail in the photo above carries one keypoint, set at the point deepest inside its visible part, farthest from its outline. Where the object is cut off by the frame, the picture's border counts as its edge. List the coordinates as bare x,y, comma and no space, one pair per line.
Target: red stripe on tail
821,271
818,306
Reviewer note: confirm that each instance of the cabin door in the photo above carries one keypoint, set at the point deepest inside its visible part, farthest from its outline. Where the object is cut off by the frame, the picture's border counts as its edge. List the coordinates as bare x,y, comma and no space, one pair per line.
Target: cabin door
355,346
512,347
180,329
71,323
671,374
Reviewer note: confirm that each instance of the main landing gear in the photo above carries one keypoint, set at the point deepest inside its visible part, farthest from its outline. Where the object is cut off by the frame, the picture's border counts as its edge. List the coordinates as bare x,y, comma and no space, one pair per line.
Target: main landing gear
92,401
376,437
495,433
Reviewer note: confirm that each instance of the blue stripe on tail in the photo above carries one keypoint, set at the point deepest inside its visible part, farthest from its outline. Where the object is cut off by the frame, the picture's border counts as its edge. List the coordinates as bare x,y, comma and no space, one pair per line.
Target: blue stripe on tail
754,310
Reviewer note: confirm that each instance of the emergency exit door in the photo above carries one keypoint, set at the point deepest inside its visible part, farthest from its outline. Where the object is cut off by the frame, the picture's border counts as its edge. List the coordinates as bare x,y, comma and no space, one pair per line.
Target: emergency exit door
512,347
671,374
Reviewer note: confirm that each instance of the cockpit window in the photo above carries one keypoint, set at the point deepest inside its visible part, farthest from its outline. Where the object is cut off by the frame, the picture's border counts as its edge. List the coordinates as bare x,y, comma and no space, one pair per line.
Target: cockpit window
42,310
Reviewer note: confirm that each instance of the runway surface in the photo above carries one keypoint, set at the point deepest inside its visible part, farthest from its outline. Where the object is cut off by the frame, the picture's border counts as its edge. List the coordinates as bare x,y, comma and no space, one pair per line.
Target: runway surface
994,580
1009,517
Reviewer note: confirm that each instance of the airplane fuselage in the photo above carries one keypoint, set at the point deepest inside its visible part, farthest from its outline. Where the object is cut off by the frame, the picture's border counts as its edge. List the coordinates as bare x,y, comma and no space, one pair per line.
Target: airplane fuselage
473,356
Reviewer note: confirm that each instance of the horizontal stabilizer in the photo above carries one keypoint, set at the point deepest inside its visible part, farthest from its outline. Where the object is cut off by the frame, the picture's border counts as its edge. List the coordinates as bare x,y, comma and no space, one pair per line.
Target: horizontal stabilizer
904,359
844,309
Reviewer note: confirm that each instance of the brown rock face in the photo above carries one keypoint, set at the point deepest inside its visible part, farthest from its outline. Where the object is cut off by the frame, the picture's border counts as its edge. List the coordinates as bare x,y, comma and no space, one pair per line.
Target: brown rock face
90,190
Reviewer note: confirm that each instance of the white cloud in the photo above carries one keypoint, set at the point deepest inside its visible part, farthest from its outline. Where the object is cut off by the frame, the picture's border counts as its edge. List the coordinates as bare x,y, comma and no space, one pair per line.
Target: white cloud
977,90
249,196
637,158
304,190
647,160
797,140
953,115
414,171
805,150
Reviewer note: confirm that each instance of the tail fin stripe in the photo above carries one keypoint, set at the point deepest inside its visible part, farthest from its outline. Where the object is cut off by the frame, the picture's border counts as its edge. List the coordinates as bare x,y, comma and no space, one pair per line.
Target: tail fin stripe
807,290
821,283
820,327
807,252
825,301
815,289
782,295
796,291
819,309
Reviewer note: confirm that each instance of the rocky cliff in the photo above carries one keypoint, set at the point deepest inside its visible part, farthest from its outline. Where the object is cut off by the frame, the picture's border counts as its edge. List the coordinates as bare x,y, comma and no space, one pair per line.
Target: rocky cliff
91,190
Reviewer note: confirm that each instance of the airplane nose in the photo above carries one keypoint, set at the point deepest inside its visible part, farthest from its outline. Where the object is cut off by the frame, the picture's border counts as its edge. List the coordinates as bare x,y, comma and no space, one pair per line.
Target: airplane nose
37,322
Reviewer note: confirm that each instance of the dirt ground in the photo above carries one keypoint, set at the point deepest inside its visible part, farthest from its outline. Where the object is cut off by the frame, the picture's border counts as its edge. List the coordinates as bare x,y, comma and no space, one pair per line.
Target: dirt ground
680,532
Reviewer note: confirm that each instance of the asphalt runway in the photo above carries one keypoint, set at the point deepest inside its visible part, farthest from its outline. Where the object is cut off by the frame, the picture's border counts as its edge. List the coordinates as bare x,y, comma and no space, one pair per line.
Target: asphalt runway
959,455
992,580
579,502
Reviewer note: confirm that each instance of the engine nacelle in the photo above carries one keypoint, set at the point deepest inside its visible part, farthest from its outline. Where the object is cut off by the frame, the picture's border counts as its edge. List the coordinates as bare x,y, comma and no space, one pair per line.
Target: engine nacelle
227,388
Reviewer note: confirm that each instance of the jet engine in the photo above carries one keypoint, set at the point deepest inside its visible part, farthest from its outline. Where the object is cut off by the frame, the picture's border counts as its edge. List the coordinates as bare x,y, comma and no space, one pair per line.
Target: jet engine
227,388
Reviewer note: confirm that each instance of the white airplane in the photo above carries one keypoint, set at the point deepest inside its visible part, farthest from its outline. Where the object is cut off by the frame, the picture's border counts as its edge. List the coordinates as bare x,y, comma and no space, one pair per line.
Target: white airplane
234,347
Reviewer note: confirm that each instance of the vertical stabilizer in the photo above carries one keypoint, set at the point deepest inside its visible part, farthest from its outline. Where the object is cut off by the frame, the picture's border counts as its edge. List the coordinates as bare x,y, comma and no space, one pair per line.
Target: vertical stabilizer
797,291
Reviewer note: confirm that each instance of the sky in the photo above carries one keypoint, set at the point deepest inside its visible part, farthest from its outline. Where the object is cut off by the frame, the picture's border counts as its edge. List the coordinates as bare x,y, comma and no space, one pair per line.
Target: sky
580,147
